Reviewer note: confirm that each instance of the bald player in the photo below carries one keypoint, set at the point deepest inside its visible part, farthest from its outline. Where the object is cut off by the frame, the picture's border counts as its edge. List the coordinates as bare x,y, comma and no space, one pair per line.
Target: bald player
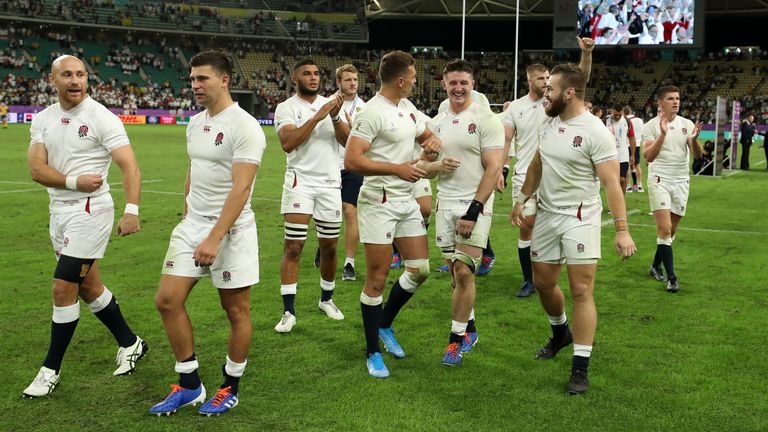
72,145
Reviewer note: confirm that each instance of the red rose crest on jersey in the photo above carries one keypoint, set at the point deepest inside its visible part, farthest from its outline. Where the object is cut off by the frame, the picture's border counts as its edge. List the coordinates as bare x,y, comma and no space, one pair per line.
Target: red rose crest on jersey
685,131
219,139
472,129
83,131
64,120
577,140
413,117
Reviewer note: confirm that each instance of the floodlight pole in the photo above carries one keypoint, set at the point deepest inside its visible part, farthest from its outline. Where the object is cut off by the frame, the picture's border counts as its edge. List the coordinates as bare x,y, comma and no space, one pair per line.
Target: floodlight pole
517,37
463,25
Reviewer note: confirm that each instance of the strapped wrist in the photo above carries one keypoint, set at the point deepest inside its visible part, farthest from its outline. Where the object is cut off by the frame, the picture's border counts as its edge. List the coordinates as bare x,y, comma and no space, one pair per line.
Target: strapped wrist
132,209
71,183
473,212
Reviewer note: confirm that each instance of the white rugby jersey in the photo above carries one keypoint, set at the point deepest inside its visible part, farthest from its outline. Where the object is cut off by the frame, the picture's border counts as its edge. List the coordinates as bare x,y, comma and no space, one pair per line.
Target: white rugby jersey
526,116
476,96
391,130
569,152
78,141
673,161
621,132
316,161
352,108
466,136
637,127
213,144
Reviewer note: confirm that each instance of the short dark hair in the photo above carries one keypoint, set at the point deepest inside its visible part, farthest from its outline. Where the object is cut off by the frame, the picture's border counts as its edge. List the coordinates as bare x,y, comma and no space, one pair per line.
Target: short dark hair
218,60
573,77
459,65
394,64
618,107
303,62
666,89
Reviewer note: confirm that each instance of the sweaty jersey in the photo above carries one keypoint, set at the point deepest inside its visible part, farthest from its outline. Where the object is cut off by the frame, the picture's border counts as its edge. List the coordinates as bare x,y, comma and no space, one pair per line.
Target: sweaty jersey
213,145
622,130
477,98
78,141
315,162
352,108
526,116
569,152
673,161
465,136
391,130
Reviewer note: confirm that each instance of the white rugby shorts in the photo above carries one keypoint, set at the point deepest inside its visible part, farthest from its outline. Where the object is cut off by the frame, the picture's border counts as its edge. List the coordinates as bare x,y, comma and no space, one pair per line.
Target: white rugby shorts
564,239
667,194
380,223
445,228
323,203
422,188
83,230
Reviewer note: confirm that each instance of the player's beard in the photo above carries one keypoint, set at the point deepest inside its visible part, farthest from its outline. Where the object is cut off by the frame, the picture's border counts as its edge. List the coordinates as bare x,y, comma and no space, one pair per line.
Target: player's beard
555,107
306,91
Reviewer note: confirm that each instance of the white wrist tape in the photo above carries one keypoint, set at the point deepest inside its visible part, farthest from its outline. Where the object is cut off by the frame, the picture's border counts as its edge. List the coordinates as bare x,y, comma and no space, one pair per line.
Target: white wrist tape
131,209
72,183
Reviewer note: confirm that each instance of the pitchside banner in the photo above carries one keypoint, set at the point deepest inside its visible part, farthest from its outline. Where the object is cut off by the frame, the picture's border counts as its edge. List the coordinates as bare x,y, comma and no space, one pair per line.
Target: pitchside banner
133,119
720,117
735,129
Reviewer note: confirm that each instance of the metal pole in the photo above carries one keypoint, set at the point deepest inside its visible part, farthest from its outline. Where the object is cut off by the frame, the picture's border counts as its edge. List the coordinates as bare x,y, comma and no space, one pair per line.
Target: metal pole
517,36
463,25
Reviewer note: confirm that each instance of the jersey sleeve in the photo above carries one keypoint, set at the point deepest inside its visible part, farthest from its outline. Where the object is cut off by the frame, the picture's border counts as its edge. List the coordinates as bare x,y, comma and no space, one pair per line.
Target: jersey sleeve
249,144
492,133
366,125
36,131
284,115
602,146
648,132
509,118
113,135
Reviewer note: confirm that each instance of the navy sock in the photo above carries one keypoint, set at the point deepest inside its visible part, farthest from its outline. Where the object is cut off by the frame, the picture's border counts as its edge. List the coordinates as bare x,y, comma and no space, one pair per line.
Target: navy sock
190,380
454,338
398,297
580,363
524,254
394,249
560,331
230,381
113,319
325,295
471,326
634,178
657,258
61,335
288,303
371,319
488,251
667,259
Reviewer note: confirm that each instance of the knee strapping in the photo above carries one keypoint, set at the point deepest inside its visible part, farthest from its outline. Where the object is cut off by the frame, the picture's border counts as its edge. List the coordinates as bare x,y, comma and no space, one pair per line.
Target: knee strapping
470,261
72,269
327,229
294,231
412,280
448,252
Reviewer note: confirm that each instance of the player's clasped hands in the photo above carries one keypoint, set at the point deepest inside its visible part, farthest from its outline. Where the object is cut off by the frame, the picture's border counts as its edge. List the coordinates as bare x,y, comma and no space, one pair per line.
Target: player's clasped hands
89,182
409,172
625,246
432,145
206,252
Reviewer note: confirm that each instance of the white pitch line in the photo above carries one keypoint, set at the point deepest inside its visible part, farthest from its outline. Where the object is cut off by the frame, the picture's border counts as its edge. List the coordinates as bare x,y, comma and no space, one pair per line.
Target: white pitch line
15,182
738,171
707,230
22,190
629,213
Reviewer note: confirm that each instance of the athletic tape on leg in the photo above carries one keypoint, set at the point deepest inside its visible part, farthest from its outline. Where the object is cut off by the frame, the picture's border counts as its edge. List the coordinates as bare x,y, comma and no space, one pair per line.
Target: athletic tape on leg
416,278
294,231
463,257
327,229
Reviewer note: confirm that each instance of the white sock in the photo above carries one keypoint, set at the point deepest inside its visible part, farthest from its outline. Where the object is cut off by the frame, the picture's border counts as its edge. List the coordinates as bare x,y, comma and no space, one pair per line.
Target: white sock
370,301
557,320
327,286
458,328
66,314
101,301
349,260
522,244
288,289
472,314
187,367
582,350
235,369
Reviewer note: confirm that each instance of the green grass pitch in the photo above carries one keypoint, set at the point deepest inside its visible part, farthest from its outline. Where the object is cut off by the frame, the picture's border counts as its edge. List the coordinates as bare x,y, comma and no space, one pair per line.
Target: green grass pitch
691,361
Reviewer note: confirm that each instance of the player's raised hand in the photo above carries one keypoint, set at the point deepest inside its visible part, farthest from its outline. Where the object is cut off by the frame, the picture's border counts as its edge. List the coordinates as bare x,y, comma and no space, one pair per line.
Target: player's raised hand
625,246
89,182
586,44
129,224
339,99
327,108
409,172
206,252
663,122
696,130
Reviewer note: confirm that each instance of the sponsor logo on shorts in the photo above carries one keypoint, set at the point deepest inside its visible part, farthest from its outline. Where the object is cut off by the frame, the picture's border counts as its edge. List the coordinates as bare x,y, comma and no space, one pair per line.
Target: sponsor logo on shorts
65,121
338,213
296,205
534,253
439,238
83,131
682,208
580,248
472,129
219,139
577,140
66,241
226,276
169,264
663,203
389,235
206,129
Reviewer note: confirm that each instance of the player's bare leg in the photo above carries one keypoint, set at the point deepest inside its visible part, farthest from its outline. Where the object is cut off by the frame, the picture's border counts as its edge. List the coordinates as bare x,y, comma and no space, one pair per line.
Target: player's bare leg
296,227
581,279
524,255
545,278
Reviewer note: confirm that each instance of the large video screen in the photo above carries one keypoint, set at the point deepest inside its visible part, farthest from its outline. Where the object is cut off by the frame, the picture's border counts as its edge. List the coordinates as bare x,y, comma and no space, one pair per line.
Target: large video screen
639,22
